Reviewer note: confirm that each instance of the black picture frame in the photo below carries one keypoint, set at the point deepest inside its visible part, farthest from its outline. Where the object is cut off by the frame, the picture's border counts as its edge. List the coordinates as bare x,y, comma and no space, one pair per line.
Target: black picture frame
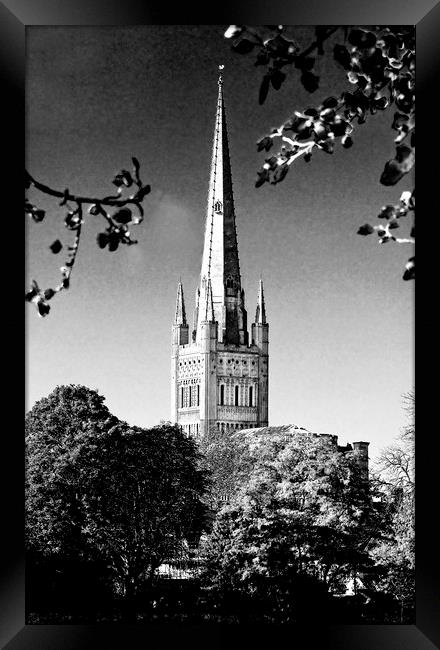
15,16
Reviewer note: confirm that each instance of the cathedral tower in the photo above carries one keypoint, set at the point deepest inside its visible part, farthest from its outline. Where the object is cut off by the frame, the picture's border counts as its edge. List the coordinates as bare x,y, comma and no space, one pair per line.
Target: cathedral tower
219,378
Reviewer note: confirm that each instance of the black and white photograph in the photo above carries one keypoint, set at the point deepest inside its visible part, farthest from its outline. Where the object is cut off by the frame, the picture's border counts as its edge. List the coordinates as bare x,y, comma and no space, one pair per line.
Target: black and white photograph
219,331
220,233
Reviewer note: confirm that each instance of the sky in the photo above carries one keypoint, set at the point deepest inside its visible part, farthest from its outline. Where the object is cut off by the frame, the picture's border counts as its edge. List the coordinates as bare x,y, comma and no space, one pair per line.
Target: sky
341,317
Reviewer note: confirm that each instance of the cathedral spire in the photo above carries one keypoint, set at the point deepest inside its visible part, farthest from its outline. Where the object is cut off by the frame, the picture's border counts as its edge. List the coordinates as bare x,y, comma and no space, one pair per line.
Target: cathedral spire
220,262
260,314
180,316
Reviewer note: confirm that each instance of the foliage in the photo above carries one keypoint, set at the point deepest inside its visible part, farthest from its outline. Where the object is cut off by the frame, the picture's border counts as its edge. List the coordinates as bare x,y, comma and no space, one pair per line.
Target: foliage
379,63
300,514
99,489
397,552
117,223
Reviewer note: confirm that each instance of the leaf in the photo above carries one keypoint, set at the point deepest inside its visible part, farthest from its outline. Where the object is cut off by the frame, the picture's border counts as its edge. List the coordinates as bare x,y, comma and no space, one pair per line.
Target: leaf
30,295
281,46
342,56
43,308
280,173
328,146
410,269
142,192
366,229
387,212
396,168
113,242
405,155
262,177
56,246
102,239
233,30
347,141
362,38
38,215
330,102
48,294
265,143
118,180
310,81
244,46
264,89
123,216
277,77
72,221
312,112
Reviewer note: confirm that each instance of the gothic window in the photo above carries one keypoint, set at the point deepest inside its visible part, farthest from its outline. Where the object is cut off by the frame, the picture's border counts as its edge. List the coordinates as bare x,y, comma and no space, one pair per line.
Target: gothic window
229,282
250,395
185,396
222,395
218,206
236,396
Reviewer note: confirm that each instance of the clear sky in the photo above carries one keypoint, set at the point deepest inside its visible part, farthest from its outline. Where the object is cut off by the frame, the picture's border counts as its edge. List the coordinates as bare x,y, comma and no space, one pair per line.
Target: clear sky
341,318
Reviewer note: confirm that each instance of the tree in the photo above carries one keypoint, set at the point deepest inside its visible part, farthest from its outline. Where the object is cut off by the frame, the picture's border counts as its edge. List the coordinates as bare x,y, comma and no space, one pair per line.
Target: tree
97,488
379,63
396,553
116,231
300,518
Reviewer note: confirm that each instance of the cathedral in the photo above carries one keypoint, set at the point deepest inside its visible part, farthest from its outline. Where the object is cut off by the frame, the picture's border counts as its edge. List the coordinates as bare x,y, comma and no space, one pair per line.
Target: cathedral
219,374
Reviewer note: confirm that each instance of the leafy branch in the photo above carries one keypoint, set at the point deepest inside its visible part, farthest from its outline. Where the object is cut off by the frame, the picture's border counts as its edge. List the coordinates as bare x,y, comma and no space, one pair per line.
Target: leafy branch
380,64
117,220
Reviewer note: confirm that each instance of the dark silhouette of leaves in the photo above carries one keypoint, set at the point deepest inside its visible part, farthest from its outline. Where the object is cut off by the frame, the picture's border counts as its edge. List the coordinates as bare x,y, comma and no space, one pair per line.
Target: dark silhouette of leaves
310,81
123,215
243,46
366,229
116,232
56,246
410,269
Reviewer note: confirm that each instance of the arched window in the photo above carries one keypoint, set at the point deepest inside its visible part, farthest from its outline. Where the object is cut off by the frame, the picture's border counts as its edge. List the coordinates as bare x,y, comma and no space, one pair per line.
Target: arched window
222,395
250,395
236,396
218,207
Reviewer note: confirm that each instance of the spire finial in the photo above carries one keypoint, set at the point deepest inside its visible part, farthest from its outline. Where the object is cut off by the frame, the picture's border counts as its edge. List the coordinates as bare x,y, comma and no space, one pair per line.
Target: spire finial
220,78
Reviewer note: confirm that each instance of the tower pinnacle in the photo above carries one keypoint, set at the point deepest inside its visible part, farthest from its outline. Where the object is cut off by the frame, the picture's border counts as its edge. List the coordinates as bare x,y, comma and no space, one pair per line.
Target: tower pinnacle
260,314
180,316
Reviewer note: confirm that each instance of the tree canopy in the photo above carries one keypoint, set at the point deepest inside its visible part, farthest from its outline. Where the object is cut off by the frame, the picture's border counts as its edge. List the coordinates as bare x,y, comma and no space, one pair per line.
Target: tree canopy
98,488
300,513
